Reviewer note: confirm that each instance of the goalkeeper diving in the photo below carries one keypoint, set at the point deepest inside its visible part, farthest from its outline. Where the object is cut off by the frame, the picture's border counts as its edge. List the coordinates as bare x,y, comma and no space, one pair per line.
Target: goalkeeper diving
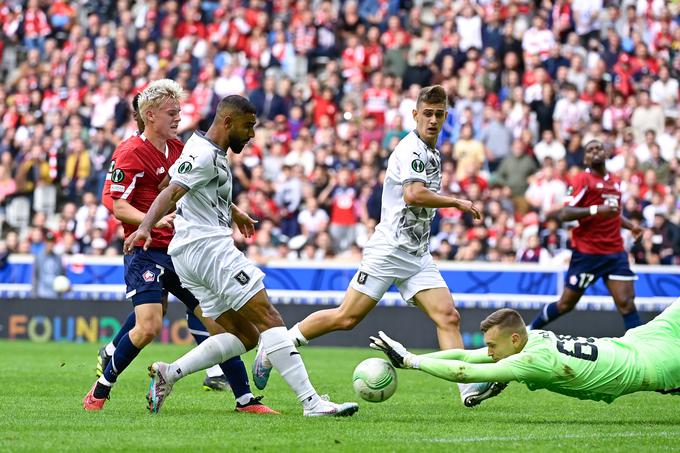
646,358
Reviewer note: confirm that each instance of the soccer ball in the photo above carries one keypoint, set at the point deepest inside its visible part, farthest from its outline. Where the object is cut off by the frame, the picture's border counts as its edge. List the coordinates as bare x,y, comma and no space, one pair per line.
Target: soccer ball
374,380
61,284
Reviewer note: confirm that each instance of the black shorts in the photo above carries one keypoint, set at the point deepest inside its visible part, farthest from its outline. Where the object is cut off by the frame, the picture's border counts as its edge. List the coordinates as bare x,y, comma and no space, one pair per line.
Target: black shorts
586,268
148,273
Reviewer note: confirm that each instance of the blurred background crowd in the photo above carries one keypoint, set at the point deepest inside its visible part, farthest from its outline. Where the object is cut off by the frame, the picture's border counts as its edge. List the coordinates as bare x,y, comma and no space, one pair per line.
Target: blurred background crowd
335,83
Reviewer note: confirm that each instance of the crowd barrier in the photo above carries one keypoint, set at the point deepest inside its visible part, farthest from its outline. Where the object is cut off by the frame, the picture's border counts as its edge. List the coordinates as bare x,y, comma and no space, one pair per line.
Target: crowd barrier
474,285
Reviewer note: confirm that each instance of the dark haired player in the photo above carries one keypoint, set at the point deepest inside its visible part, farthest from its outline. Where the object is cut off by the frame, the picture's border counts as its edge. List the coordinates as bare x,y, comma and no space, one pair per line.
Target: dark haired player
141,166
215,378
595,201
227,284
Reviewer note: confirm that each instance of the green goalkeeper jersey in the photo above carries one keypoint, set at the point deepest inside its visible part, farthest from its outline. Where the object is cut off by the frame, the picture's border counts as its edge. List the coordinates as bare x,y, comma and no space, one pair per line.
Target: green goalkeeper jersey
599,369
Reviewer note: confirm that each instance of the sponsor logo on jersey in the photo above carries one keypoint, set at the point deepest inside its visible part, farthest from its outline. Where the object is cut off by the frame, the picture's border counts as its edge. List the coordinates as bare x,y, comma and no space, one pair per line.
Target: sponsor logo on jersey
184,167
573,280
160,170
148,276
118,175
117,188
361,278
242,278
418,165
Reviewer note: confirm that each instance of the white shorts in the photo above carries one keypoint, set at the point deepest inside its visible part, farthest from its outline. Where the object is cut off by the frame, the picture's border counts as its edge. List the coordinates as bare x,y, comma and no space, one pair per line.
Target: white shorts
383,266
218,274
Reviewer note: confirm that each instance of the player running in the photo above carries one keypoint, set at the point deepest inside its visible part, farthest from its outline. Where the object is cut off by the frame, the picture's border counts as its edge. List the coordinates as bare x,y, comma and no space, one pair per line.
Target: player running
646,358
141,164
398,252
228,285
595,201
215,378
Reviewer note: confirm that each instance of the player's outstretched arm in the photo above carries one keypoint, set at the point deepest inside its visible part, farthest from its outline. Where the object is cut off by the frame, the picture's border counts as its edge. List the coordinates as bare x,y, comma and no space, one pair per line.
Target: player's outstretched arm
465,355
458,371
161,205
417,195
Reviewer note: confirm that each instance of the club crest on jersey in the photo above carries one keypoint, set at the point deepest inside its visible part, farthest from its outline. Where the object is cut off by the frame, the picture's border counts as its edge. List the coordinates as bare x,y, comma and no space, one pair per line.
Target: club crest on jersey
242,278
361,278
184,167
118,175
418,165
148,276
570,190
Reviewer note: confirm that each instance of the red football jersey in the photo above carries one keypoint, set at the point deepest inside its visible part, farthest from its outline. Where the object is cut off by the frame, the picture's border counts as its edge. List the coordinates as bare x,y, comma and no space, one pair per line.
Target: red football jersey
596,234
138,170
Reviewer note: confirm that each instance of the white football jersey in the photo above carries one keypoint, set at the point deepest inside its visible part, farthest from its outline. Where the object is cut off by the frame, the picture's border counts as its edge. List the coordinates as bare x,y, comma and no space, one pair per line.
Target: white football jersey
205,210
402,226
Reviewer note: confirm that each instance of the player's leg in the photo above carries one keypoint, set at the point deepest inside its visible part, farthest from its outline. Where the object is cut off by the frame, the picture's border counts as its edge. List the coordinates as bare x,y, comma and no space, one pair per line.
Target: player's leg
142,278
437,304
353,309
623,293
429,292
214,379
619,279
232,370
584,270
286,359
106,352
554,310
360,298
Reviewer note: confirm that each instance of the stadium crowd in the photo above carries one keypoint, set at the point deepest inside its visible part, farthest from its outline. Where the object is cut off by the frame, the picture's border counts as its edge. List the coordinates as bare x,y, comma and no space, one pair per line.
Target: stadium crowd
334,84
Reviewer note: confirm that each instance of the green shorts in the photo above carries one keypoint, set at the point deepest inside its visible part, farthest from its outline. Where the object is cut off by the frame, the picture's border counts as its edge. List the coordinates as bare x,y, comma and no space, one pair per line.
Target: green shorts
658,344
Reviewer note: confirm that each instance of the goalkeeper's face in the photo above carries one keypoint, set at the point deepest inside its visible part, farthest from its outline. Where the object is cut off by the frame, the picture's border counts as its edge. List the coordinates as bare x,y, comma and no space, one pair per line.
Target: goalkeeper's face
502,343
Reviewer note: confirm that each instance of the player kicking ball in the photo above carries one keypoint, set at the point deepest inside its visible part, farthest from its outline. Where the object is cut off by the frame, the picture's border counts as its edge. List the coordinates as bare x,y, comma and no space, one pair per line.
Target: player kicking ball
141,165
646,358
398,252
215,378
595,202
228,285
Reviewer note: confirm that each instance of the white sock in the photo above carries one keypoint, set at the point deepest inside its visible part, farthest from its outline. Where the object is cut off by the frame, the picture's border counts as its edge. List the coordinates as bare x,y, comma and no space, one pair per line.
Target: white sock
110,348
102,380
287,361
464,389
214,371
215,349
245,398
297,337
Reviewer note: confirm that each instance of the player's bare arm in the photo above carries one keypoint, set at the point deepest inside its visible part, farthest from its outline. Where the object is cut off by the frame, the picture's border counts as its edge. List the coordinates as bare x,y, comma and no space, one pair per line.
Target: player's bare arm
417,195
161,205
126,213
569,213
245,223
636,230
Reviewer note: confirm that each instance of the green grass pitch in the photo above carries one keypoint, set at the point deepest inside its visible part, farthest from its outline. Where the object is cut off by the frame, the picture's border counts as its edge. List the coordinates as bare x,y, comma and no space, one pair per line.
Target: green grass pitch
42,385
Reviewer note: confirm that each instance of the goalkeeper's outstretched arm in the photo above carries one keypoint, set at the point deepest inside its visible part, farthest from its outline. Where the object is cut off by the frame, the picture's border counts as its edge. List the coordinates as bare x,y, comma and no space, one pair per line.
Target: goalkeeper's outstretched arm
465,355
459,371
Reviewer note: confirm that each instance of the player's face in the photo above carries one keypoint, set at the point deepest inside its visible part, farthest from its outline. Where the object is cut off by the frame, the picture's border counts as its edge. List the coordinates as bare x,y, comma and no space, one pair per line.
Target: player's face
594,154
242,130
165,118
429,121
499,343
